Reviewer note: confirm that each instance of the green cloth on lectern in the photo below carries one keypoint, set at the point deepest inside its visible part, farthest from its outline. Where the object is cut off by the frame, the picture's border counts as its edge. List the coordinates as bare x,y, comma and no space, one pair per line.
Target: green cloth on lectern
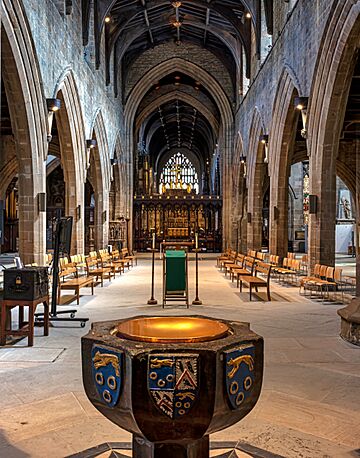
175,270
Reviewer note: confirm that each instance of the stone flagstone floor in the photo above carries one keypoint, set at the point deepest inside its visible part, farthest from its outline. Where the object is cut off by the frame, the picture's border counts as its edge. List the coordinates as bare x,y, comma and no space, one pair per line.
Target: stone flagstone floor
309,406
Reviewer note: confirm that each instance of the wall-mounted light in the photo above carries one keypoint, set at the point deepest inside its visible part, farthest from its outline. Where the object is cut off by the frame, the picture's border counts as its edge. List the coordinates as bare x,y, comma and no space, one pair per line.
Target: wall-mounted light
53,105
107,19
78,212
248,15
301,104
91,143
176,4
41,202
276,213
313,200
264,139
177,24
243,163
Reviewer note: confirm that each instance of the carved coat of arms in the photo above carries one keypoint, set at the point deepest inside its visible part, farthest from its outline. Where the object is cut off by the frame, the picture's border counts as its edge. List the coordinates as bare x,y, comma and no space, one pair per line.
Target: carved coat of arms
173,382
107,373
239,365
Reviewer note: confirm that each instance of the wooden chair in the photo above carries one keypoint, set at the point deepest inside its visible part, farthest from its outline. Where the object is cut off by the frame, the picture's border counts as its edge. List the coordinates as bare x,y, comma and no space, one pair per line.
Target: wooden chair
315,277
229,260
253,281
93,270
222,257
239,263
106,261
246,269
128,257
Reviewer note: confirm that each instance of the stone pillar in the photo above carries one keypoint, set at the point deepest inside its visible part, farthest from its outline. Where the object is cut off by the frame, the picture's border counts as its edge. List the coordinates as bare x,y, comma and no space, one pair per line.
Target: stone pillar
357,206
32,223
255,208
74,198
226,149
322,224
101,220
279,215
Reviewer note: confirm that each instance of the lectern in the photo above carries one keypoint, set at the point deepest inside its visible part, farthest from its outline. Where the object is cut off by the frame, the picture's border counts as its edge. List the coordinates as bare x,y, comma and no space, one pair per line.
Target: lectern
175,277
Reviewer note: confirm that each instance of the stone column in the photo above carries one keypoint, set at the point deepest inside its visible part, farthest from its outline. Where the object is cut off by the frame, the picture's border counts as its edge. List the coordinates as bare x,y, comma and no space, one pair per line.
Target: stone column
74,198
322,224
254,217
32,223
279,209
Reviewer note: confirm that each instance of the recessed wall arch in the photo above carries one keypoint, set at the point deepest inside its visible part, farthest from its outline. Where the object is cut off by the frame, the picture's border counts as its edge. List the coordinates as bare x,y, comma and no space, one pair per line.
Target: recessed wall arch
281,144
328,100
28,116
222,102
255,177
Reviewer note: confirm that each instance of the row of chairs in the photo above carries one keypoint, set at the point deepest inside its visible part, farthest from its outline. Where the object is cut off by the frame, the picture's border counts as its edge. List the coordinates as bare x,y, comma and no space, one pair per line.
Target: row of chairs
324,282
248,270
87,271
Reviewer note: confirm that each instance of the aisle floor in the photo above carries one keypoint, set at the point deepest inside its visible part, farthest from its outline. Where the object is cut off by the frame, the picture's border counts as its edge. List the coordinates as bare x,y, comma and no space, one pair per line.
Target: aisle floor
309,406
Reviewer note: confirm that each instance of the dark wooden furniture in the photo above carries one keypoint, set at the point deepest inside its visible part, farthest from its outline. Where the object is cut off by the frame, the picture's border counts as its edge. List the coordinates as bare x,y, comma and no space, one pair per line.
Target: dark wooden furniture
26,328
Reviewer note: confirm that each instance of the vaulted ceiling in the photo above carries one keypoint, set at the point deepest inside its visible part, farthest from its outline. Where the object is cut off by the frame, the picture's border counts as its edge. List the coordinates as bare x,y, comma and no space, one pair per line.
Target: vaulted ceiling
132,26
177,123
228,29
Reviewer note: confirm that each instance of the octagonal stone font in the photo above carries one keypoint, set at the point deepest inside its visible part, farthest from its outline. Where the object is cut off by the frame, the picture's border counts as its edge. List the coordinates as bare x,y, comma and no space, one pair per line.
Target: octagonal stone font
171,381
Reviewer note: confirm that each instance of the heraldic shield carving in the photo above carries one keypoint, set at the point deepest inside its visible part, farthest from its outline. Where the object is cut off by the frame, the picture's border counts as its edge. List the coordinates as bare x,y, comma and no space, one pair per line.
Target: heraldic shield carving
173,382
107,373
239,374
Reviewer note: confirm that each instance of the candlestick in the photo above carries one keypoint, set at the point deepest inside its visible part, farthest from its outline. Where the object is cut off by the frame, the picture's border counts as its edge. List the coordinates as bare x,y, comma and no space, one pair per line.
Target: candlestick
196,241
153,241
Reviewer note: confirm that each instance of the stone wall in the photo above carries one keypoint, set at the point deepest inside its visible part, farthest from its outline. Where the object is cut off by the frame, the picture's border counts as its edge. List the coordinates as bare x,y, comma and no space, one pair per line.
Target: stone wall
189,52
58,43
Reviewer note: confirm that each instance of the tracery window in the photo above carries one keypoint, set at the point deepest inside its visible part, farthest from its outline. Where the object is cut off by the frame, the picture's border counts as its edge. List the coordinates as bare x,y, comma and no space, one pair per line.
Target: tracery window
179,173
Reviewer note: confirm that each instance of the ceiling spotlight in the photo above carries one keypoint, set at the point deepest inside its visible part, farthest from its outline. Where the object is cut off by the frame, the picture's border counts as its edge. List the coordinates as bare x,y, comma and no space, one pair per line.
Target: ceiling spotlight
107,19
91,143
264,139
301,103
53,104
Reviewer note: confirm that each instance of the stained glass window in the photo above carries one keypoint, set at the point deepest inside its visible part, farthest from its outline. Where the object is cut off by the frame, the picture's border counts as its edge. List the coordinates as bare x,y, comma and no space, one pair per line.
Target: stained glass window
179,173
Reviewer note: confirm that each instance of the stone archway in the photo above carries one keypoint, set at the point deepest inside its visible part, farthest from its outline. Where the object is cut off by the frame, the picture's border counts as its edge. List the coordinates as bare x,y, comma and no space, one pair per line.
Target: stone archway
256,170
99,174
326,114
28,116
226,125
281,145
239,216
73,155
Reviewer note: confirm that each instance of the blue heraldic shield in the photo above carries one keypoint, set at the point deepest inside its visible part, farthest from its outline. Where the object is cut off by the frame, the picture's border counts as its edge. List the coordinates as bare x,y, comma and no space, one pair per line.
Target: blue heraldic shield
173,382
239,365
107,373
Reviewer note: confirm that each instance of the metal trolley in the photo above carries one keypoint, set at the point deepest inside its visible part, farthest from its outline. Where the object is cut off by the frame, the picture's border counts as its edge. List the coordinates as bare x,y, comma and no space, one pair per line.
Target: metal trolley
175,277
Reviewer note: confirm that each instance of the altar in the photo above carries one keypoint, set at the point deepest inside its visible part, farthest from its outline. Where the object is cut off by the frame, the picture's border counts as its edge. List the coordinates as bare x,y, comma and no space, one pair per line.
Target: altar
175,218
